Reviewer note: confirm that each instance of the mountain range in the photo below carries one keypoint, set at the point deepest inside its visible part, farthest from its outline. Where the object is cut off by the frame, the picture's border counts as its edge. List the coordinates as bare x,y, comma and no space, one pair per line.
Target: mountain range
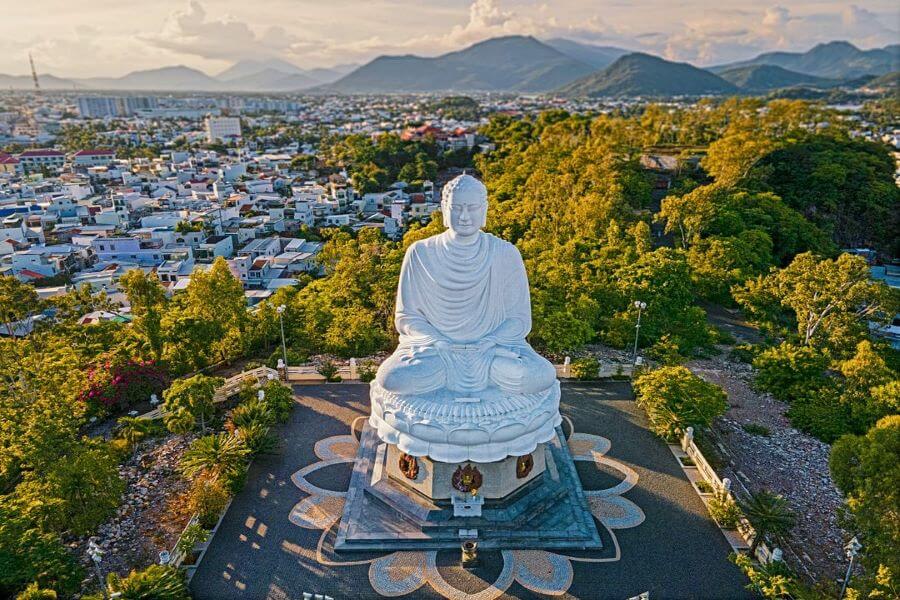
518,64
836,60
244,76
639,74
508,64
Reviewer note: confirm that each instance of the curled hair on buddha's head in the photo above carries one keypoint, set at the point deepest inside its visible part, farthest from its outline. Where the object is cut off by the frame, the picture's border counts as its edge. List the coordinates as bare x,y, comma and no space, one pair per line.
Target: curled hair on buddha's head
463,185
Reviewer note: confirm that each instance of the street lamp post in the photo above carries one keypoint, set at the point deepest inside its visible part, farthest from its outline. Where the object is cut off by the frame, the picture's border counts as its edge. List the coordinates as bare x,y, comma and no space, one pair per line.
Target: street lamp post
280,311
852,549
96,555
637,328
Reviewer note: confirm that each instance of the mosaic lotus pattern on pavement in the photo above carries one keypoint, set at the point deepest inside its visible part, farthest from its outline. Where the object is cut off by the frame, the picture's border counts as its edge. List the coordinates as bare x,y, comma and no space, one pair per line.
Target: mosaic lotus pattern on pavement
401,573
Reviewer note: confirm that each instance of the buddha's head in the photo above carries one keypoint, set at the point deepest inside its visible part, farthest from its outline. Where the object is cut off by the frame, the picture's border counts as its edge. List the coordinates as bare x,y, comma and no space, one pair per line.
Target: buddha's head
464,206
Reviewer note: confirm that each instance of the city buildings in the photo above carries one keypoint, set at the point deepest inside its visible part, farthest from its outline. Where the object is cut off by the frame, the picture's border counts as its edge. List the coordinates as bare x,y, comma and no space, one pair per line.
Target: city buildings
220,129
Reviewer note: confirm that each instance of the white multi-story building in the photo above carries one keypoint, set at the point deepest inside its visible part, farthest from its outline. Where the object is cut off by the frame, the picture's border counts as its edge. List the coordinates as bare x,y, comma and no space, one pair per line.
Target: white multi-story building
222,128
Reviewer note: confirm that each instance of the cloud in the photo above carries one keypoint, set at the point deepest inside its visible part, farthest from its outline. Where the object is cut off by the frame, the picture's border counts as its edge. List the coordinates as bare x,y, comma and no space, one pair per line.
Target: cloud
189,31
776,16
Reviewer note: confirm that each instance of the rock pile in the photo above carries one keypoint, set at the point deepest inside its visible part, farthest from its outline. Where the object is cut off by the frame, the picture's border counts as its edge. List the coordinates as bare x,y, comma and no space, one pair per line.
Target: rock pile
152,515
785,461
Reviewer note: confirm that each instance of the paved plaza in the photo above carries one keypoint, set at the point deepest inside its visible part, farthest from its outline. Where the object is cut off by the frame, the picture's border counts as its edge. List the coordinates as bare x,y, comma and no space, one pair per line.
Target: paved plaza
276,540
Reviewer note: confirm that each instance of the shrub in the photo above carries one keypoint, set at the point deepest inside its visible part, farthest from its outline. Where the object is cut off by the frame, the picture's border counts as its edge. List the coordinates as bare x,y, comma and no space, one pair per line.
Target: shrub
192,535
116,384
585,369
257,439
820,413
744,353
665,351
756,429
133,429
222,456
705,487
329,371
251,413
35,592
724,510
772,581
674,398
294,357
280,400
208,498
158,582
789,372
367,371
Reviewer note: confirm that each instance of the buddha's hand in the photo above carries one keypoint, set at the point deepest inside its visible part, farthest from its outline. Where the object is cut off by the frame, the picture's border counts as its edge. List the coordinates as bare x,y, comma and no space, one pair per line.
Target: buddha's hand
443,347
487,346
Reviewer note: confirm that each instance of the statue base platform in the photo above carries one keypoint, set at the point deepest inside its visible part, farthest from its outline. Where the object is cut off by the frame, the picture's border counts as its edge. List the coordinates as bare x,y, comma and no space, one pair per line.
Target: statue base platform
452,427
544,510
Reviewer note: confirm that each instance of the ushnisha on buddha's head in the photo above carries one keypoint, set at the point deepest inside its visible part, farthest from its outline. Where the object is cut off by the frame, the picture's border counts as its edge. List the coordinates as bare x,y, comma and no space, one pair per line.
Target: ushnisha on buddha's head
464,207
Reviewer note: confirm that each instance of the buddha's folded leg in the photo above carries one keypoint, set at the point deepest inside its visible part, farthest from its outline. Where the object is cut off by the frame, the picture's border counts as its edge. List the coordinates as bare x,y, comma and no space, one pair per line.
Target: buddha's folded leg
412,372
528,374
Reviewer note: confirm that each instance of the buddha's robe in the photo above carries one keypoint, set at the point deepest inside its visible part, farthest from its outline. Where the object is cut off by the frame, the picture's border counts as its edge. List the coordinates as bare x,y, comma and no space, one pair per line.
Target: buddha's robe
467,295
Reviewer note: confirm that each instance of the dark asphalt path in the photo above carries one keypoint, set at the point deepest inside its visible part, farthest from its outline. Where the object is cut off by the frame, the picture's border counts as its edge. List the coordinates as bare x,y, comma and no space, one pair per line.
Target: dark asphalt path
677,552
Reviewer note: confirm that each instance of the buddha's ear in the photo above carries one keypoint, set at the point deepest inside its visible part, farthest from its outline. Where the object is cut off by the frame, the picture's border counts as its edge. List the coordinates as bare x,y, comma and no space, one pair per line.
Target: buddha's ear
484,210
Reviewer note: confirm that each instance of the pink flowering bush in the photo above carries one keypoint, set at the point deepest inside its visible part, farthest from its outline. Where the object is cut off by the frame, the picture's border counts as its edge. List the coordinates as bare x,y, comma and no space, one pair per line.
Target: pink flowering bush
114,384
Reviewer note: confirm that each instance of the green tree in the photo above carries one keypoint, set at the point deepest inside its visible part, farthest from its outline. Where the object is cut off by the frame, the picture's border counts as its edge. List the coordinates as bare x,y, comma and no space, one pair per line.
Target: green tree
844,185
769,513
194,396
789,372
75,494
871,389
18,301
209,321
832,302
866,468
662,280
674,399
148,305
28,554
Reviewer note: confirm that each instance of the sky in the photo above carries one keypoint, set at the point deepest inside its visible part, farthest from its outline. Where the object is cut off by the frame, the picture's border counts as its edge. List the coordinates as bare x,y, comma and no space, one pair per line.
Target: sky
115,37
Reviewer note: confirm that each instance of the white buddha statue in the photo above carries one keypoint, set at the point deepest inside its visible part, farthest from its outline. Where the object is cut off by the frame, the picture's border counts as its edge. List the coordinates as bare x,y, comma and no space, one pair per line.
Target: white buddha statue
463,309
463,383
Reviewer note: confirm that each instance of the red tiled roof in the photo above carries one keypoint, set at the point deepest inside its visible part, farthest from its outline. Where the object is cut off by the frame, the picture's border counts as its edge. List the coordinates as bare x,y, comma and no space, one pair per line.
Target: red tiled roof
41,152
31,274
8,160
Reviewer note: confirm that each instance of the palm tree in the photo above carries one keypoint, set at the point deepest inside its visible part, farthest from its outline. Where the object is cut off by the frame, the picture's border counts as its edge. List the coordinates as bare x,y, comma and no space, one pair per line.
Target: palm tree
215,455
768,512
133,429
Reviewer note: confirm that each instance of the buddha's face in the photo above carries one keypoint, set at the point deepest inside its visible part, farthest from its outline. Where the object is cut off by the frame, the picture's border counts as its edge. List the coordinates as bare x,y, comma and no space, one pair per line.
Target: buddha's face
465,214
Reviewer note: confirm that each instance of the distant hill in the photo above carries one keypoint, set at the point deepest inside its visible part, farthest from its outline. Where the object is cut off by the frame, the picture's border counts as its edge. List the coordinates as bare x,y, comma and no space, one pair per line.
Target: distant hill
248,68
836,60
889,81
166,78
270,80
513,63
24,82
598,57
763,78
640,74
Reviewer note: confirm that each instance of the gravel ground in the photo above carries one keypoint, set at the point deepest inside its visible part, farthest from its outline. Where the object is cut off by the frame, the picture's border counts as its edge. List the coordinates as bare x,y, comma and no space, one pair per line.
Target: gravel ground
152,514
787,461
